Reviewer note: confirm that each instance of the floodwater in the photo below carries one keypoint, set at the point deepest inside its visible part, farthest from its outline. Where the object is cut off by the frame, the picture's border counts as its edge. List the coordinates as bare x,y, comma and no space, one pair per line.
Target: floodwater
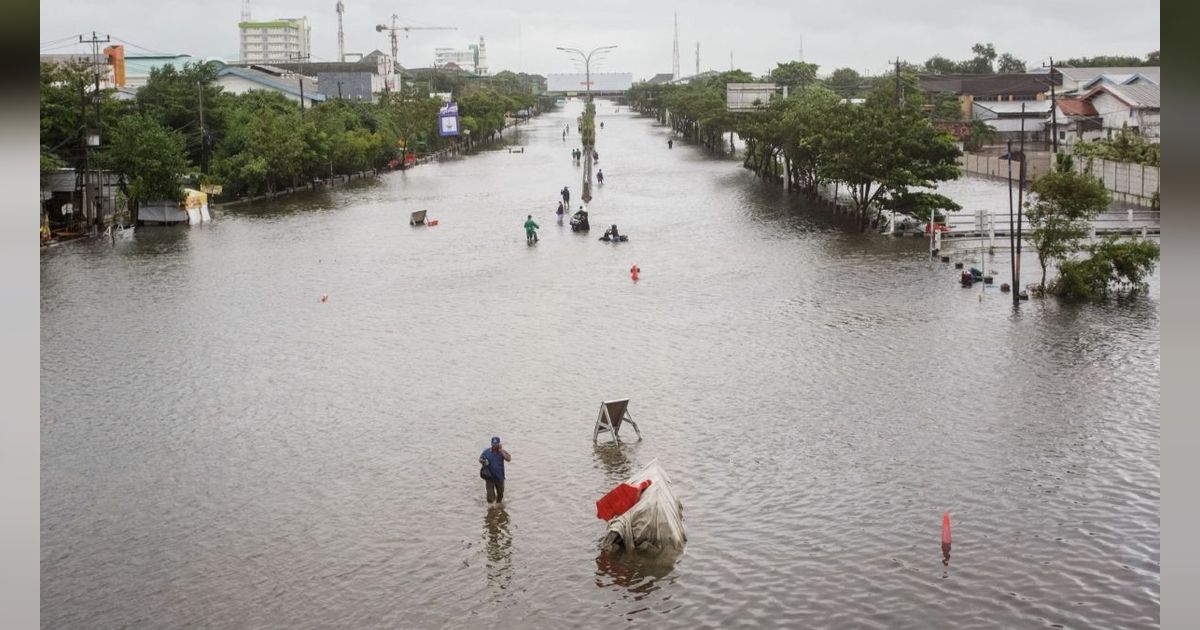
220,448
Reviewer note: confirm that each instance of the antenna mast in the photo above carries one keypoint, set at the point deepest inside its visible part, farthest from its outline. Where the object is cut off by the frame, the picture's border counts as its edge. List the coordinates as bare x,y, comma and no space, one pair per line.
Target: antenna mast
341,8
245,10
675,53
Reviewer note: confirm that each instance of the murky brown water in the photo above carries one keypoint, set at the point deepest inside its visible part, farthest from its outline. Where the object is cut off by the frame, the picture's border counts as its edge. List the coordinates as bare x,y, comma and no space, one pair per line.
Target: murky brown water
220,449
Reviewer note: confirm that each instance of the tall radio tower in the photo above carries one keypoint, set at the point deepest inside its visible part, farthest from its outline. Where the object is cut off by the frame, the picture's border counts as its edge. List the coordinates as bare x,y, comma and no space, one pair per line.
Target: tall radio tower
675,54
697,57
341,8
245,10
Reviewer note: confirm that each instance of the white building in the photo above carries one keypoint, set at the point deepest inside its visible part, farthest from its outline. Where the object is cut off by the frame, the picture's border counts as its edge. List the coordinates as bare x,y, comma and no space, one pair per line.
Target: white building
1134,107
473,59
464,59
238,80
274,41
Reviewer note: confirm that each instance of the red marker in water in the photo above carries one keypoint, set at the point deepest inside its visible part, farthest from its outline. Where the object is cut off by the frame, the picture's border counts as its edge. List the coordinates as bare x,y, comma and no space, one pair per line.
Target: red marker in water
945,529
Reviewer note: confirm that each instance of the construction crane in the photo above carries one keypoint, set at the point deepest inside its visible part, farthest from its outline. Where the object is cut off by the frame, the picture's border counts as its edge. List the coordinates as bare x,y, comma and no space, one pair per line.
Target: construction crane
395,44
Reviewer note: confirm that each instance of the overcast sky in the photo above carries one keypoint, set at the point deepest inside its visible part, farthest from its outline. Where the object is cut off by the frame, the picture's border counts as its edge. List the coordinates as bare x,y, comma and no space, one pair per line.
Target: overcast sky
861,34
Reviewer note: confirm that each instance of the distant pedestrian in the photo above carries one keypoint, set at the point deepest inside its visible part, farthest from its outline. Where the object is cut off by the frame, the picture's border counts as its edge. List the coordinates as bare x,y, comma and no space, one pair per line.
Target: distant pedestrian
600,176
491,468
601,124
670,143
566,195
531,229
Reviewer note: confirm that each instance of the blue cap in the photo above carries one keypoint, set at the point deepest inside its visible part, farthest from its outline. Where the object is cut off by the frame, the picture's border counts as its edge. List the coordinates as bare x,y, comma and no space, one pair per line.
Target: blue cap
495,441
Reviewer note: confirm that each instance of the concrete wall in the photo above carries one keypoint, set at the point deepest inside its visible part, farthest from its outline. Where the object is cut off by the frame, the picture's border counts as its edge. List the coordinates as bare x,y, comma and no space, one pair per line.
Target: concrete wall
1128,183
994,166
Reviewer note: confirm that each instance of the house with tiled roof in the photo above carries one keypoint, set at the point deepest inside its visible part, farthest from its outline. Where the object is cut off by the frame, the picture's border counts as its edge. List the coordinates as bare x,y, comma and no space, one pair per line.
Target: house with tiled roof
1074,120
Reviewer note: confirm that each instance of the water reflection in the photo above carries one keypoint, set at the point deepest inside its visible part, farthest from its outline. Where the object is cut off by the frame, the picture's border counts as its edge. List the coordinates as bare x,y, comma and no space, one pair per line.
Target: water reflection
615,460
498,539
945,560
637,572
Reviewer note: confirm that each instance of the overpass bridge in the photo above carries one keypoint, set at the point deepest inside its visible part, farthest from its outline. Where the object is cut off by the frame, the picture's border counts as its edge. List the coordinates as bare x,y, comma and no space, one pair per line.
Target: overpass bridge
603,83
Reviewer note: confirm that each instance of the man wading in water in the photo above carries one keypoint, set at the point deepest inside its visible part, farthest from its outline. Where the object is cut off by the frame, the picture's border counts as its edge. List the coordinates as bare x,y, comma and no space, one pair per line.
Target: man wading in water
491,463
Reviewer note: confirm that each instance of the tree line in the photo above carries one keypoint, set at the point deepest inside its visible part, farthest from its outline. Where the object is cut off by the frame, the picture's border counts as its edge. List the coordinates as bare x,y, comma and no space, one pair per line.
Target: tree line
182,128
884,152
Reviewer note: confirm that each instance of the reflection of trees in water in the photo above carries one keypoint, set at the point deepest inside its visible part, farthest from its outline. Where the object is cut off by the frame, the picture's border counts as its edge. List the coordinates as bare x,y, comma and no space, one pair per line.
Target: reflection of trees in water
637,572
498,539
615,460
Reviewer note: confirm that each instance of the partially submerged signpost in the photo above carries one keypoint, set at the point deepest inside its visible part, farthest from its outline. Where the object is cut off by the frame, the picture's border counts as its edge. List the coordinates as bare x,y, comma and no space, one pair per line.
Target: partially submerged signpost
612,414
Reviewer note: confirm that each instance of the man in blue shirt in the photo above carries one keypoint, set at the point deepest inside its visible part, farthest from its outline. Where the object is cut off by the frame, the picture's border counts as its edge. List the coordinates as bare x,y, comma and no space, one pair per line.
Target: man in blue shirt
494,458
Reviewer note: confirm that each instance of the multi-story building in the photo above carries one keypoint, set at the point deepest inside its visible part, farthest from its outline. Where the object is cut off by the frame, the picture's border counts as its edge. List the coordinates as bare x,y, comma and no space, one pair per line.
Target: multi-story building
473,59
274,41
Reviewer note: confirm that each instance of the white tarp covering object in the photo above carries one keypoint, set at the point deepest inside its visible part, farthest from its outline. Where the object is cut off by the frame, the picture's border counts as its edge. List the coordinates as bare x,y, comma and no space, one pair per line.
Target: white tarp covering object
655,522
193,209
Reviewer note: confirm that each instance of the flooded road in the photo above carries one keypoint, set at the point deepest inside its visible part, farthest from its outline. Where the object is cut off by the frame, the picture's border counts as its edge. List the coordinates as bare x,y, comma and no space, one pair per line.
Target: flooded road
220,448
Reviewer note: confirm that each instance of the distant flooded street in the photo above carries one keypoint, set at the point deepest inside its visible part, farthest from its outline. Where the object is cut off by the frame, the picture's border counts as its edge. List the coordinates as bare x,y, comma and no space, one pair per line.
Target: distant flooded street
220,448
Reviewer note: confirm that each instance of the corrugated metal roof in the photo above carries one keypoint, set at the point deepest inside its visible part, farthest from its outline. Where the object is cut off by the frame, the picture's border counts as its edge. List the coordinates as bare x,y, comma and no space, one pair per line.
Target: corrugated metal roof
289,84
1083,75
1142,95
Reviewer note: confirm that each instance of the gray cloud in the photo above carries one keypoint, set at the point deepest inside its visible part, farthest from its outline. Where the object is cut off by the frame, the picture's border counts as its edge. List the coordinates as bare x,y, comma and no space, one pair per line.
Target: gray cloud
862,34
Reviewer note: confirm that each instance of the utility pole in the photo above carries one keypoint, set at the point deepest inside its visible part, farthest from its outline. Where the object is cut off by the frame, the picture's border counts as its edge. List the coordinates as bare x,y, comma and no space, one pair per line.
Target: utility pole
1020,201
339,90
301,58
899,88
92,210
1012,245
203,134
1053,107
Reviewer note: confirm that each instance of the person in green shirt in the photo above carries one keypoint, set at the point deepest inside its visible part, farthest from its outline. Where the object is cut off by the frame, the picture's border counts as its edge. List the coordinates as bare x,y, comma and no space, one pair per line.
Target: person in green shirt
530,231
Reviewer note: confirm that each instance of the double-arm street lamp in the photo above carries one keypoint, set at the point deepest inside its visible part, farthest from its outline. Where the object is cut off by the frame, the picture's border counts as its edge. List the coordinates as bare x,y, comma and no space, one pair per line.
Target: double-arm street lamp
587,62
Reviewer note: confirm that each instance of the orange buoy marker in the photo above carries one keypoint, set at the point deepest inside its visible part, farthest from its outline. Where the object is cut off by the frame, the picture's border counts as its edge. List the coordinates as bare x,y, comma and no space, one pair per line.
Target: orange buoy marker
634,271
432,222
945,529
324,298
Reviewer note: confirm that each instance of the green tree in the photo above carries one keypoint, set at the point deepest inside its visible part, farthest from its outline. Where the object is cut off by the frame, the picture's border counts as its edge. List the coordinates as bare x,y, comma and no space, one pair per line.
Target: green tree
1125,147
1059,215
846,82
938,64
979,134
1112,264
149,156
946,107
794,73
981,63
173,98
1009,64
879,151
1108,61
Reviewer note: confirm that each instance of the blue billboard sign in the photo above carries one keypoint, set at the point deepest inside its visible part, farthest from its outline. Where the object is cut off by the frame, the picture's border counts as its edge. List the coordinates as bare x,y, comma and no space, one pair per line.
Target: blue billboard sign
448,120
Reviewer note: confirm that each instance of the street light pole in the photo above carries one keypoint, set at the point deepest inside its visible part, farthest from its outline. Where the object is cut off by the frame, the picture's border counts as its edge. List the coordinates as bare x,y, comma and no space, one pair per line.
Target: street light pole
587,63
588,151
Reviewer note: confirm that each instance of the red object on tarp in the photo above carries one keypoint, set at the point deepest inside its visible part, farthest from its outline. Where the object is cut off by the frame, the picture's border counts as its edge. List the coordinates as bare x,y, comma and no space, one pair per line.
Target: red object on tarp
619,500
